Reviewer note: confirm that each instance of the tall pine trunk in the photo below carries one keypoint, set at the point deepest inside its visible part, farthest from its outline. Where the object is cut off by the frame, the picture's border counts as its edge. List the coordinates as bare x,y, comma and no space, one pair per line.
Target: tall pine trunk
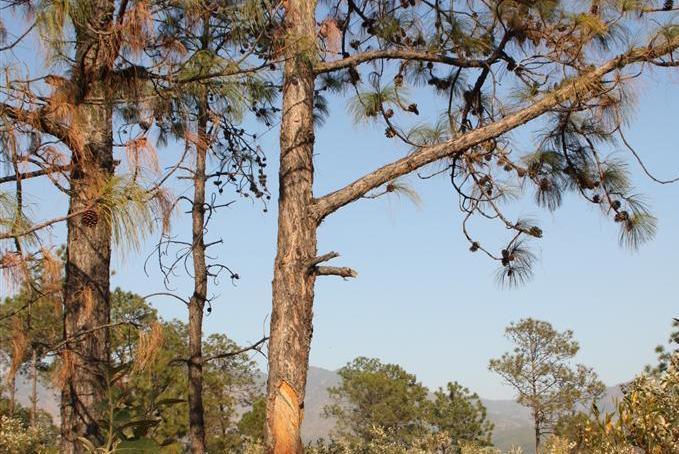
86,287
88,256
293,285
197,303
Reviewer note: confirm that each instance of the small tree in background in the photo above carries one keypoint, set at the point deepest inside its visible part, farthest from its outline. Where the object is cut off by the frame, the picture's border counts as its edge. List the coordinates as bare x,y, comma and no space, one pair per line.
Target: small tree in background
152,353
540,369
381,400
371,395
251,424
230,386
18,437
146,387
459,413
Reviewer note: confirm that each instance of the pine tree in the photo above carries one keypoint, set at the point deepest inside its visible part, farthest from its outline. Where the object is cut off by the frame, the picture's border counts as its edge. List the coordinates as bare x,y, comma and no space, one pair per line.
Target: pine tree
60,126
209,94
133,68
556,63
540,371
374,399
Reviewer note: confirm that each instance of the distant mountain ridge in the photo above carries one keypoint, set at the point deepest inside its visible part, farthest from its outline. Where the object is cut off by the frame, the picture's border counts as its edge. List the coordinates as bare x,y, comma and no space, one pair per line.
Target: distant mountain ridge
512,421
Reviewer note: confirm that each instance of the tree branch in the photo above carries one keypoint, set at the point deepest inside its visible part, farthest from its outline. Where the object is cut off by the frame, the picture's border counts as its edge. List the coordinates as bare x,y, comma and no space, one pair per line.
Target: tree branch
33,174
256,346
400,54
76,336
335,271
42,225
568,90
39,120
323,258
18,39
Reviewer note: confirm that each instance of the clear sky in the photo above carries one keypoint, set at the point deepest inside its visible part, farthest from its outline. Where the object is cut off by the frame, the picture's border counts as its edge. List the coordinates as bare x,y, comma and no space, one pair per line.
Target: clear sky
421,298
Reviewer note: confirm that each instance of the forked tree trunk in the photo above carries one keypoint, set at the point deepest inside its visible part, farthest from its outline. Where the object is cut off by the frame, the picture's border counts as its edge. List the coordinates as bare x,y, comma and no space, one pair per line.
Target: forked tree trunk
197,302
86,287
293,285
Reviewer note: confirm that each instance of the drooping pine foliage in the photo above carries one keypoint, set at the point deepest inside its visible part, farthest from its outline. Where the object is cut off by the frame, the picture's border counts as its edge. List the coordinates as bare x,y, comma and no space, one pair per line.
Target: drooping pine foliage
483,61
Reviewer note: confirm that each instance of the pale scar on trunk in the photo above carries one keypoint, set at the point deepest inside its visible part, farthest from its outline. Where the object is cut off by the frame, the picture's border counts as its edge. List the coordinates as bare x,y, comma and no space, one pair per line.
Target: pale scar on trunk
287,418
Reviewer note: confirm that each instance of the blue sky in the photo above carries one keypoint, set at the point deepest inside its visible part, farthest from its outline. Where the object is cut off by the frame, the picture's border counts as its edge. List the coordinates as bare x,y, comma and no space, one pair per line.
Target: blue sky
424,301
421,298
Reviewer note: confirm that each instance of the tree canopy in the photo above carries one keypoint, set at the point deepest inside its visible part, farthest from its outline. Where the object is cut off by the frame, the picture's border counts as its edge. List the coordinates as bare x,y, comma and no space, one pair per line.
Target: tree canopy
541,372
375,399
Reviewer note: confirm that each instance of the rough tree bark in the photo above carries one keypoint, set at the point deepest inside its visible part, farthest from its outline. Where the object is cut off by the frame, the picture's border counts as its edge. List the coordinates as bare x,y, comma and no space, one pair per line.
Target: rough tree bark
197,302
86,286
293,284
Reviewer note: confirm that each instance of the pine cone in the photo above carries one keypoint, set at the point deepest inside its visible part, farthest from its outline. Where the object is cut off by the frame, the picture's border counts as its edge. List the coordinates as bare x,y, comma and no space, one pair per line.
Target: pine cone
621,216
536,232
669,4
354,76
90,218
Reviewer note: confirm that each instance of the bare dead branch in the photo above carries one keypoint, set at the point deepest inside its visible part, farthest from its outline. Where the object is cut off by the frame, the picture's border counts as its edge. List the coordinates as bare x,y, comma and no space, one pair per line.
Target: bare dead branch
257,346
342,271
166,294
323,258
641,162
70,339
33,174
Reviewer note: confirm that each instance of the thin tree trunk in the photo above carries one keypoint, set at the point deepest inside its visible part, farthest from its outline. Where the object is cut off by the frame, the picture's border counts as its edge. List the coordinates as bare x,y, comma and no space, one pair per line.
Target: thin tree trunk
12,382
537,437
223,419
293,285
197,303
34,388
